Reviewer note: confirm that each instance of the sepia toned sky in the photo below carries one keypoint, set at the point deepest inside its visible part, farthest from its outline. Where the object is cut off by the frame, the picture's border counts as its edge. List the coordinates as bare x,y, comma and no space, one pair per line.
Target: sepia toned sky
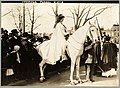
106,19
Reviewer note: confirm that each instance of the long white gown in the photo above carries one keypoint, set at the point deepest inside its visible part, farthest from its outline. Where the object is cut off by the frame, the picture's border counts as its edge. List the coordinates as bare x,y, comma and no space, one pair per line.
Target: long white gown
52,49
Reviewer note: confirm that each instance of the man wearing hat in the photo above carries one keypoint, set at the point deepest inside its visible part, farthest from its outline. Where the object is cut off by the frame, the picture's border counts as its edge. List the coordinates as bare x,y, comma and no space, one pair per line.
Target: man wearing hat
14,32
28,56
89,59
14,39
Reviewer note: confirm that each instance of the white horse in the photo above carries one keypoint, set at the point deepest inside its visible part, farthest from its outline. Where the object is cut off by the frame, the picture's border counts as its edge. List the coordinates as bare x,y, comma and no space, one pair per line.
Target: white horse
74,49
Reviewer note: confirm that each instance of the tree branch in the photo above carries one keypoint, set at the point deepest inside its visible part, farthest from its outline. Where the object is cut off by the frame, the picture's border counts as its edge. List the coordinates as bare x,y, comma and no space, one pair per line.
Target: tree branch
37,26
82,15
29,14
15,20
96,14
73,15
75,11
6,13
36,19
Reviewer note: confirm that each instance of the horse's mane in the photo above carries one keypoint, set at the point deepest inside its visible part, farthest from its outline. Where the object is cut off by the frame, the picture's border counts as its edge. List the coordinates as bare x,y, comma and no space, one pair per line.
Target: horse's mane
78,37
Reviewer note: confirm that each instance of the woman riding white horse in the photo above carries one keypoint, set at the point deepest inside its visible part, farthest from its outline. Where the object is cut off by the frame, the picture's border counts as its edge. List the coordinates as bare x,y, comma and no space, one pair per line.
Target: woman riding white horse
52,49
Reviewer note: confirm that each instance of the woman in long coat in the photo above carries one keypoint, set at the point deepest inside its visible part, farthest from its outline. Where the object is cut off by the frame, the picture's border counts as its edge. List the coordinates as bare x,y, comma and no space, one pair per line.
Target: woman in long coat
109,55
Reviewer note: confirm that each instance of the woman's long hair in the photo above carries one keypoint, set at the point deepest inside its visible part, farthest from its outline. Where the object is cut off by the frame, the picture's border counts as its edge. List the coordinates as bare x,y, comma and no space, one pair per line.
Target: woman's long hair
59,17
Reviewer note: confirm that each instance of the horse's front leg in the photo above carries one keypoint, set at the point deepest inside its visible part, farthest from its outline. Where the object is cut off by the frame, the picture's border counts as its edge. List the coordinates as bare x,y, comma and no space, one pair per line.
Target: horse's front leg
78,70
73,82
41,64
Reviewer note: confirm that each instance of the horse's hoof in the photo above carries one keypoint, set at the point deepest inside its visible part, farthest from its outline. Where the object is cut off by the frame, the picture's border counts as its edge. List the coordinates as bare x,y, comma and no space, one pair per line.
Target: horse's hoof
80,82
72,83
111,75
75,82
42,79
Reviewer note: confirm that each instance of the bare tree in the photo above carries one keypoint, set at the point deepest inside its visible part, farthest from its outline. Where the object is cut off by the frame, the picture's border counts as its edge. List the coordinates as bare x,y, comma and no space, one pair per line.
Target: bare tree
55,10
82,15
17,17
6,13
32,18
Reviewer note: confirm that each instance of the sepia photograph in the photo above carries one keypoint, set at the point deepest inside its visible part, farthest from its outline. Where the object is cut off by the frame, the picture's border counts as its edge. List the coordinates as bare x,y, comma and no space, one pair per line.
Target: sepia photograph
58,43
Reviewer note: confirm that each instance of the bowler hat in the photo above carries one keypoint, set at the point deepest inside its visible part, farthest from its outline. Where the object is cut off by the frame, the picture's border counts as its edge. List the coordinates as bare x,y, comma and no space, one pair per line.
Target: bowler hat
5,31
25,34
14,31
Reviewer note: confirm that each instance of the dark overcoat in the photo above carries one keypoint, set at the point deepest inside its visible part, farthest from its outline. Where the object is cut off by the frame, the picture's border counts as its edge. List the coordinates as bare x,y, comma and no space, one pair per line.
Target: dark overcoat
109,55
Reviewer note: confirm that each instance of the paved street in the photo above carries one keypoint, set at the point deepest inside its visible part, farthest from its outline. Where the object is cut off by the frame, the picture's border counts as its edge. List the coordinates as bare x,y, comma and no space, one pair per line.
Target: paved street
62,79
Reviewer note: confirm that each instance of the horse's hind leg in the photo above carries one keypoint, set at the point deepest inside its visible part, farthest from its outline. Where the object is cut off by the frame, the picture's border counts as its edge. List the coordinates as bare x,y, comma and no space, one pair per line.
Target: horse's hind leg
41,64
78,69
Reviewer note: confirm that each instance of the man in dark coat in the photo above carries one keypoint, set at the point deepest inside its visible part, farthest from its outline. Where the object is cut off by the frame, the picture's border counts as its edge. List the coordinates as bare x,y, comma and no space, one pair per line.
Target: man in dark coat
14,39
29,57
25,56
4,53
4,47
89,62
97,57
97,51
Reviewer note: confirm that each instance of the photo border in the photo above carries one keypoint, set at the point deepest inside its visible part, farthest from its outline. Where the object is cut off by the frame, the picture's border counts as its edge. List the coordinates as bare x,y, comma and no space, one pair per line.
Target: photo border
64,1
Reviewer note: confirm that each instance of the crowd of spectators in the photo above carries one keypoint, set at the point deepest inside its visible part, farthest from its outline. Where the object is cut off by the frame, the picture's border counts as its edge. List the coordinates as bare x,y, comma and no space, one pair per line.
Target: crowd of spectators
19,54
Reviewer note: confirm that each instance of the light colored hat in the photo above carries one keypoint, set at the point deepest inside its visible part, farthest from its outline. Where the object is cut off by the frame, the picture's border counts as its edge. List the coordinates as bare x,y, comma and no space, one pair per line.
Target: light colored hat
16,48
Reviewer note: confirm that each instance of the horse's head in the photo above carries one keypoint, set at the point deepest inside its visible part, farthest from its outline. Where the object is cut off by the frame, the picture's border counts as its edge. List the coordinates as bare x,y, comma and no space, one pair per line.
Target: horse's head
93,33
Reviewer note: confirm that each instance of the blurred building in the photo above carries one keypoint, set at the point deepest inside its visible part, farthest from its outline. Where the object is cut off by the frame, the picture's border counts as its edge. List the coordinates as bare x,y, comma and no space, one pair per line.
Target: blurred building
107,31
113,33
